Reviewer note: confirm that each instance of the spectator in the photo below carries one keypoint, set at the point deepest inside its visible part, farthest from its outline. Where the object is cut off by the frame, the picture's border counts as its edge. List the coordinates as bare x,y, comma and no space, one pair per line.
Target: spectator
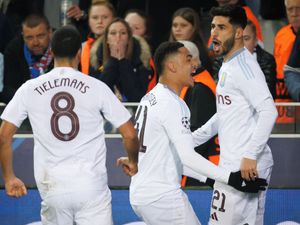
201,101
283,44
139,23
161,16
186,26
265,60
292,71
99,17
121,61
17,10
27,56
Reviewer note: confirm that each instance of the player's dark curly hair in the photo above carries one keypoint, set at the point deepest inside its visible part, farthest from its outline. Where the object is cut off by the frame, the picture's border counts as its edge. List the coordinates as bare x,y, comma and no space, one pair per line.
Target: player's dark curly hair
66,42
237,15
163,51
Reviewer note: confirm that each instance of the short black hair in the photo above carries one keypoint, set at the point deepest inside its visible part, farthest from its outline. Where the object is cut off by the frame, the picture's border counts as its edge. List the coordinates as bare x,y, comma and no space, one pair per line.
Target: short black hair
237,15
66,42
34,20
164,50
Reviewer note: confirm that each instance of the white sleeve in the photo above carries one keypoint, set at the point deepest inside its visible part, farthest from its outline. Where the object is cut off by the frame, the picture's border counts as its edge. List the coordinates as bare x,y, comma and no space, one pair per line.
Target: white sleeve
206,131
262,102
112,109
191,173
16,112
180,135
267,115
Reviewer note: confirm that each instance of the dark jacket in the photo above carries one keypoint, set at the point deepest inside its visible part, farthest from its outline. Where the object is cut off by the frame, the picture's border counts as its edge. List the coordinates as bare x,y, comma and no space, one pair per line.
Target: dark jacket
16,70
129,76
267,64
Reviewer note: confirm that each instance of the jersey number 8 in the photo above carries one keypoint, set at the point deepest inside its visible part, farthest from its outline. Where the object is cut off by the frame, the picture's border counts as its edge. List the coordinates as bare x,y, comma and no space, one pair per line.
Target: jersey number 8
67,111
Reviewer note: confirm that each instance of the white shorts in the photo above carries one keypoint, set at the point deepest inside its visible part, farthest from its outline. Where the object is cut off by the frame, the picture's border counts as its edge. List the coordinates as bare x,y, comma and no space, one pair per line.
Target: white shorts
230,206
173,208
80,208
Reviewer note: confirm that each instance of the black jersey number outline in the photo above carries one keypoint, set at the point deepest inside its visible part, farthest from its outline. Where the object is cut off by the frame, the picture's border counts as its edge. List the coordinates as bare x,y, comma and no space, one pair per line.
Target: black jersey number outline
141,132
67,111
216,197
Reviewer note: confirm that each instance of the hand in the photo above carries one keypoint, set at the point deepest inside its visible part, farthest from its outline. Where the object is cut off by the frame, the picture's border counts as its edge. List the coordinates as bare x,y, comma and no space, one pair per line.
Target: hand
75,12
15,187
252,186
129,168
248,169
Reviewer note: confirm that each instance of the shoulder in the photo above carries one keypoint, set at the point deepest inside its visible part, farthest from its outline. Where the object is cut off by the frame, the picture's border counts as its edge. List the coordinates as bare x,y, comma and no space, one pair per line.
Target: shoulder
163,98
247,65
145,52
283,32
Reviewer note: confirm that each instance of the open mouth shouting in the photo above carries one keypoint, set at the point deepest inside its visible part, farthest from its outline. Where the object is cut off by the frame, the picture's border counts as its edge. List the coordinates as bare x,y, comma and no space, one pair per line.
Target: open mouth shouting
216,46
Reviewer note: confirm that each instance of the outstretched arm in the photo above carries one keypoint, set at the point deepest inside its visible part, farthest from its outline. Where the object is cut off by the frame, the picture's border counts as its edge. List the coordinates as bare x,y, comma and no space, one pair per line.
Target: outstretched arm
206,132
14,186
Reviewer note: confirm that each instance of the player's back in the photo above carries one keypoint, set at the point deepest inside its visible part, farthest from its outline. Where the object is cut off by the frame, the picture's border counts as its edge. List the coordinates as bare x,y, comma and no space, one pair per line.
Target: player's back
160,168
64,107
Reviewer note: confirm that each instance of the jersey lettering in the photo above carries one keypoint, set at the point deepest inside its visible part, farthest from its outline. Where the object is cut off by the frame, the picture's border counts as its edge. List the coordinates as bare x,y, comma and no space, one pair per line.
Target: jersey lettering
224,100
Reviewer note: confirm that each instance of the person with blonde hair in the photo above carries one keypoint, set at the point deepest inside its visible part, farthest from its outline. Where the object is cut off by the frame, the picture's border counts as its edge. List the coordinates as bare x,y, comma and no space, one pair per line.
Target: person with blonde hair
100,15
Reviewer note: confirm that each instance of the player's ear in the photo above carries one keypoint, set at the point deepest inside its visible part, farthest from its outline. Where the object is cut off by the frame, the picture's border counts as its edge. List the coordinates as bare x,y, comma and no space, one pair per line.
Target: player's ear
239,33
171,66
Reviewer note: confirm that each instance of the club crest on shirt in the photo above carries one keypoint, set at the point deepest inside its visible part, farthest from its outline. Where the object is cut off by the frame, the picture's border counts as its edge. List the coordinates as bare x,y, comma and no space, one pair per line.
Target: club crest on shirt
223,79
185,122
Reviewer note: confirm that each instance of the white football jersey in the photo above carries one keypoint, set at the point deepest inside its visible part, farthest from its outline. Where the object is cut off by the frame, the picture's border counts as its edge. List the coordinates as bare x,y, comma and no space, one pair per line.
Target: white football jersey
163,124
66,110
241,88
